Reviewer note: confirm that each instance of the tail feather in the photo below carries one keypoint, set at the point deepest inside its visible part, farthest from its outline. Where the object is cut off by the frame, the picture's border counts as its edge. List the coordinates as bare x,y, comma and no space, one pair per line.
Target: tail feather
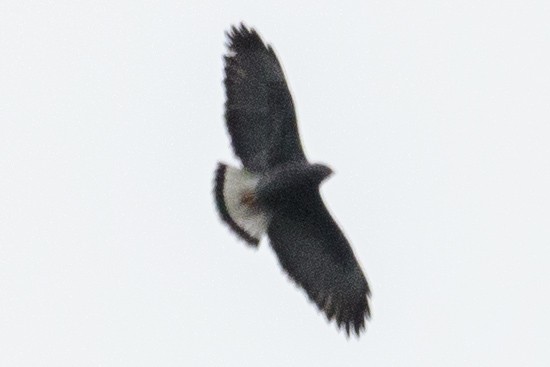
234,193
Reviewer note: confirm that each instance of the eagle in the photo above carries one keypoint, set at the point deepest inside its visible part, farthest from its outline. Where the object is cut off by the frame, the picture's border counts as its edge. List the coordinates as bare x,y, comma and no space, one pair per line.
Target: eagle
276,193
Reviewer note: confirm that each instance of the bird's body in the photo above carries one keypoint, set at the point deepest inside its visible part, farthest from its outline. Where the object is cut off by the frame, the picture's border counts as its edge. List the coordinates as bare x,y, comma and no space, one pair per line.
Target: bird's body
288,182
277,191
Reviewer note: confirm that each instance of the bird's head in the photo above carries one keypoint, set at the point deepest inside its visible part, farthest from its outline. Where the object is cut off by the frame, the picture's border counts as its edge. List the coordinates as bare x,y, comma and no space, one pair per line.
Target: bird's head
320,172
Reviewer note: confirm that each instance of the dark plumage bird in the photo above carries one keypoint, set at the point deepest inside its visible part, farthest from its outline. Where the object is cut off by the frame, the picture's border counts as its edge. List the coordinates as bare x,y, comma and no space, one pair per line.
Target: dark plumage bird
277,191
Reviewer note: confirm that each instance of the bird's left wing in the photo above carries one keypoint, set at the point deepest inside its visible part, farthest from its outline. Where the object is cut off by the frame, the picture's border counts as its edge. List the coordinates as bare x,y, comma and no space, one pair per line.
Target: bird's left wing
314,252
259,110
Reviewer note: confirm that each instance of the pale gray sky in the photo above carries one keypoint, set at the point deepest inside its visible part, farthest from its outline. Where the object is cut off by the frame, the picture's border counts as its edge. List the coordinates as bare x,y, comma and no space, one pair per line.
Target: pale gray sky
434,115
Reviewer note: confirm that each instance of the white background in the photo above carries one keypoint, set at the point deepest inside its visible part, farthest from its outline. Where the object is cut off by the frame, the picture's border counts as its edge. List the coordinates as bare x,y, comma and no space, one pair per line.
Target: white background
434,115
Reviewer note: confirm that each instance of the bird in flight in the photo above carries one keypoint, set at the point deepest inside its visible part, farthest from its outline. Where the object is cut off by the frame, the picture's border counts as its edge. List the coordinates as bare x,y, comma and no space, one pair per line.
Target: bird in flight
276,193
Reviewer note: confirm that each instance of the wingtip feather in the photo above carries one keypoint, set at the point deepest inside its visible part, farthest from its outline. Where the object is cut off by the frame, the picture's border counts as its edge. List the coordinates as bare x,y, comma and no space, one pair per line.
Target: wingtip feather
242,38
351,317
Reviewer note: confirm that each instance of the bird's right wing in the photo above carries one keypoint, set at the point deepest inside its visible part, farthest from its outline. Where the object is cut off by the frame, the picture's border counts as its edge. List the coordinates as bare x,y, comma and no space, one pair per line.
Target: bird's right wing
314,252
259,110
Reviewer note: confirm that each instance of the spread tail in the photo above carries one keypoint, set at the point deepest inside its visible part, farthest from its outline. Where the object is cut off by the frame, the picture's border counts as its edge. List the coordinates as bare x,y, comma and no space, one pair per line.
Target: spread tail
235,198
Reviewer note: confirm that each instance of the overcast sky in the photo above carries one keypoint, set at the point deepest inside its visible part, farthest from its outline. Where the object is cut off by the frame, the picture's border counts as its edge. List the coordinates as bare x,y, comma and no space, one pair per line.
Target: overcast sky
435,117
